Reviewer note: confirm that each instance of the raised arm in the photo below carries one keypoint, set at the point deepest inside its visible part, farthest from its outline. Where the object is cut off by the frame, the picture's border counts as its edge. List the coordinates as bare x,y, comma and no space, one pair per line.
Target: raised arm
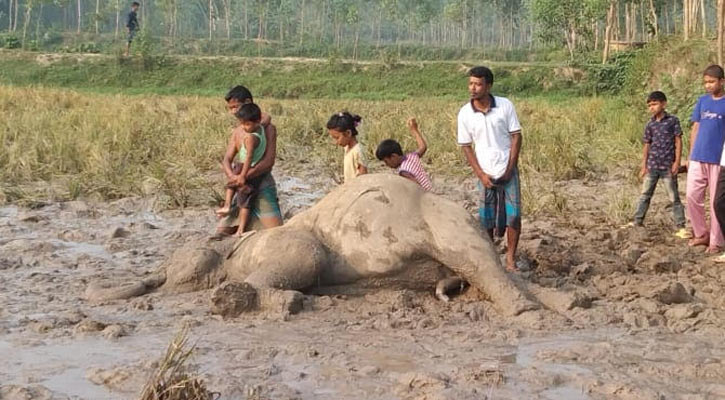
419,139
270,154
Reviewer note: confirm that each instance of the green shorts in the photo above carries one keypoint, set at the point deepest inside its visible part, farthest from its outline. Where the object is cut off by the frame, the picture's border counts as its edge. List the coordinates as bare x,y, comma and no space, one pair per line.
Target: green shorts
265,205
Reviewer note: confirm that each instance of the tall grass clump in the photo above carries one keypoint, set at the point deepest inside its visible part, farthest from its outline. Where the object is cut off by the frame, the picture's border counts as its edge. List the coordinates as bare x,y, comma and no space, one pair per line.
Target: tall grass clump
62,144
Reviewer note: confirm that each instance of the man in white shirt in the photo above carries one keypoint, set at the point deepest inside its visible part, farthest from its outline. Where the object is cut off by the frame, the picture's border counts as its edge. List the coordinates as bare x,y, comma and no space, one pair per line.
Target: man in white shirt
490,135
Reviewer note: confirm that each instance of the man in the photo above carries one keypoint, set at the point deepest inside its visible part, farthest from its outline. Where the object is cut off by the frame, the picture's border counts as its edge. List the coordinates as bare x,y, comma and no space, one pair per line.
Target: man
265,207
131,25
490,135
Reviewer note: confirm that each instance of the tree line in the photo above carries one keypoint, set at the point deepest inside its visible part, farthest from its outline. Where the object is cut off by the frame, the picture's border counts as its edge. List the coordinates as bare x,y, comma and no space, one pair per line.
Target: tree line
498,24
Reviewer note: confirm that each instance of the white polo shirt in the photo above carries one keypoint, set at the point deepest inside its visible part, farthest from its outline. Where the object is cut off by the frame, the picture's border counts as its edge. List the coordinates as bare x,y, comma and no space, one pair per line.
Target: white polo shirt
490,133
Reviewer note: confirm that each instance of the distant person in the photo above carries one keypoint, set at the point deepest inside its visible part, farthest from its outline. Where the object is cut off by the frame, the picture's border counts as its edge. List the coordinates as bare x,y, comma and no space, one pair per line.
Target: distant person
131,25
408,165
251,151
342,127
706,148
265,206
490,135
661,160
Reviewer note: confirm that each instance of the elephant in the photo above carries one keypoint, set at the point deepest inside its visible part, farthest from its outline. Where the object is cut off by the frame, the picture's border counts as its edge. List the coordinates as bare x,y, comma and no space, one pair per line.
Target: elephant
378,230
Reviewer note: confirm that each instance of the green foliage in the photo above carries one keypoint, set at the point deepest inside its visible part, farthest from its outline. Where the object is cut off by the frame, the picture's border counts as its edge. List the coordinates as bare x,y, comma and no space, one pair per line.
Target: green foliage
615,75
10,41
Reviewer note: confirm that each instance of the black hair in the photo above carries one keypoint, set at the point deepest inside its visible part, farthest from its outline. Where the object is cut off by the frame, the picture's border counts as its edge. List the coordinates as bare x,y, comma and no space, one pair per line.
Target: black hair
239,93
135,3
715,71
344,121
657,96
387,148
249,112
482,73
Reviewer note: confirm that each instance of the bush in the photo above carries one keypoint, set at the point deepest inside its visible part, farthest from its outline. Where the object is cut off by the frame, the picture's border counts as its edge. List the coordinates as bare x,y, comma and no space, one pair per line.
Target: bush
10,41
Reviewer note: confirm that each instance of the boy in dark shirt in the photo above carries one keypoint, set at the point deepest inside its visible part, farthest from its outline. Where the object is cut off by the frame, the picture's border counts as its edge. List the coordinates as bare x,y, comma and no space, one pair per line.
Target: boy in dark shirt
131,25
661,159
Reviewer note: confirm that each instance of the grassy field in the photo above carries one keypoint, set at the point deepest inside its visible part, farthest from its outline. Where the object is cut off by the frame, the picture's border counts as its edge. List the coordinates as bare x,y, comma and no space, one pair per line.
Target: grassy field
278,78
78,125
61,144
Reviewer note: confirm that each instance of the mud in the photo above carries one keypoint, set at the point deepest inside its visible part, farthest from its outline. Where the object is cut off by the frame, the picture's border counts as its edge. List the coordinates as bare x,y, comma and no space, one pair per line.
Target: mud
636,314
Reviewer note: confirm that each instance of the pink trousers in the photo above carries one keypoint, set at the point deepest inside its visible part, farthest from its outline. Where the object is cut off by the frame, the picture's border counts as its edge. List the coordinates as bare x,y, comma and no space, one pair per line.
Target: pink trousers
701,177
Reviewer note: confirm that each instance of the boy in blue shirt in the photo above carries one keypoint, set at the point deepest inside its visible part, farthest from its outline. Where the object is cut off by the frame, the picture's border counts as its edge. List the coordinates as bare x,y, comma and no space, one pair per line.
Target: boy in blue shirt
661,159
706,145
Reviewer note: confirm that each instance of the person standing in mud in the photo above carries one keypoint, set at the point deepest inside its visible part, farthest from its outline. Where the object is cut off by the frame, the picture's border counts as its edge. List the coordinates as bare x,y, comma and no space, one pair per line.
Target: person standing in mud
489,133
706,148
131,25
265,206
661,160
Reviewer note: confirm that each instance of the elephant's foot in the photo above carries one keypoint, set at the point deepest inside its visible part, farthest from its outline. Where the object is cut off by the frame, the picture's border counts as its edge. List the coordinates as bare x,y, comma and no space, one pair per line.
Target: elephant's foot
106,290
448,285
232,299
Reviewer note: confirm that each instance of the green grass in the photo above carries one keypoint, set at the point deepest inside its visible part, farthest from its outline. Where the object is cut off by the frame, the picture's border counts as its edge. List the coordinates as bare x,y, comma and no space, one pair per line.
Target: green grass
275,78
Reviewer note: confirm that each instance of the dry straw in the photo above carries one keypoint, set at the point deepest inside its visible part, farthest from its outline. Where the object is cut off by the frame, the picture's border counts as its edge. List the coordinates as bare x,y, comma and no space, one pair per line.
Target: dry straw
171,380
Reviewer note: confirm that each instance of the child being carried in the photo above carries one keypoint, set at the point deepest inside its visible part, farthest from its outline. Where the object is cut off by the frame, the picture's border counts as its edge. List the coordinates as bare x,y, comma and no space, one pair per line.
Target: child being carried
251,151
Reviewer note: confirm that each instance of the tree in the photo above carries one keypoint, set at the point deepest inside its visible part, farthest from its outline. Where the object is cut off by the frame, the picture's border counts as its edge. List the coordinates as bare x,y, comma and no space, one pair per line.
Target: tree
566,19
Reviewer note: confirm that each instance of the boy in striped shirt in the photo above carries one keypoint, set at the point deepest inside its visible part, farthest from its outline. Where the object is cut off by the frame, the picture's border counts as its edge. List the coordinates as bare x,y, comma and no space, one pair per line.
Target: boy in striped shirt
408,165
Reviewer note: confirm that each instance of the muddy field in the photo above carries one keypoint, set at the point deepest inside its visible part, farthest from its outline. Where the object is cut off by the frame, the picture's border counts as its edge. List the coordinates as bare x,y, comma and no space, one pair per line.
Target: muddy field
638,314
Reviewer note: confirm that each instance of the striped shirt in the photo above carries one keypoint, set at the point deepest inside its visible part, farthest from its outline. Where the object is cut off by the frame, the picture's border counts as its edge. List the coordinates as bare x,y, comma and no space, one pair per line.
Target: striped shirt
411,164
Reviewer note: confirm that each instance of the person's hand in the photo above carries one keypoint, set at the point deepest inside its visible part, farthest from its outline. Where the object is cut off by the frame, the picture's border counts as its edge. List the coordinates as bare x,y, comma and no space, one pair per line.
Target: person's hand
506,175
486,181
643,172
412,124
675,168
237,180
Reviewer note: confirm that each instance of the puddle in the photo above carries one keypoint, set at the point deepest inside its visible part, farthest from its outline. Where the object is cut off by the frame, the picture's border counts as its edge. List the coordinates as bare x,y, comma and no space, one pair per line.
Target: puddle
62,367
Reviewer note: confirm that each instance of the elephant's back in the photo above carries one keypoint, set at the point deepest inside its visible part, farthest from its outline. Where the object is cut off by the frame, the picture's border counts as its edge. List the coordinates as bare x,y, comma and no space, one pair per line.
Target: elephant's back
374,222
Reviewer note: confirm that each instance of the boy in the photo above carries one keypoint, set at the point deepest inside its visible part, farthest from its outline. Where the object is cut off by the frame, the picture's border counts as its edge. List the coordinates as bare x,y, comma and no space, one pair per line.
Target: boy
131,25
706,142
661,159
250,153
409,165
265,206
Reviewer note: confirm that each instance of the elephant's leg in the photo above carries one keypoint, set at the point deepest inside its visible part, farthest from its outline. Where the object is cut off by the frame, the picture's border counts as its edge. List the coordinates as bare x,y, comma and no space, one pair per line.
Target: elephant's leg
282,262
458,243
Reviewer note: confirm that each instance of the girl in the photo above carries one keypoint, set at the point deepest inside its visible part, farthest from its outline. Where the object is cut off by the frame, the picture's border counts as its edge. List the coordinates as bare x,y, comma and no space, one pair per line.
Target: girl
342,127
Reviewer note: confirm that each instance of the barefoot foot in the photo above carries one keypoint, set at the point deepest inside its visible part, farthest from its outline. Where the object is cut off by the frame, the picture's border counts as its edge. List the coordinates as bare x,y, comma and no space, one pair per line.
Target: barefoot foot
699,241
222,212
713,250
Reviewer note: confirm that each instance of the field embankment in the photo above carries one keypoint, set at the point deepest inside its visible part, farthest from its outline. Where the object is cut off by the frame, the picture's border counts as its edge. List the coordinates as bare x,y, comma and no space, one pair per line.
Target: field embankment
279,78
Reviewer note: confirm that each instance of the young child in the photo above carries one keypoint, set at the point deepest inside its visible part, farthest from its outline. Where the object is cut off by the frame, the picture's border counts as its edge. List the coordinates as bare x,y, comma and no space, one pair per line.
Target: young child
250,153
661,159
342,127
408,165
706,145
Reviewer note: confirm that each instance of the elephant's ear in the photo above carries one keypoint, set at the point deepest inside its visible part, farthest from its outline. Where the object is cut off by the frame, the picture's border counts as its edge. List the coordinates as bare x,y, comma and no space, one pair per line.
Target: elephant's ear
242,239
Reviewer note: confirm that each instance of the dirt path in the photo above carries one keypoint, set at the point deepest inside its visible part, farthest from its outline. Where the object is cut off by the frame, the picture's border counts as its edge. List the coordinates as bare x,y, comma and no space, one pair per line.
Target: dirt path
645,315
